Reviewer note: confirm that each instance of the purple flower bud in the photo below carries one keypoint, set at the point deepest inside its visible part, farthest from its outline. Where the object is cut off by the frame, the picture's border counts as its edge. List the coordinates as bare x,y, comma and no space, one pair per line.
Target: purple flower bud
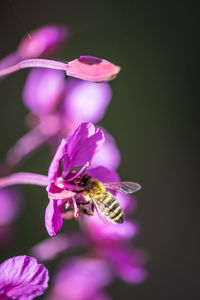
85,101
43,41
92,69
43,90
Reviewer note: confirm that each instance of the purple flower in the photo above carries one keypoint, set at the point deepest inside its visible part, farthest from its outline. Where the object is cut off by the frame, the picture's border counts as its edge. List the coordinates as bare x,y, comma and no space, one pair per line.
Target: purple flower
125,261
82,101
21,277
111,242
76,151
99,231
37,44
43,41
85,101
81,279
43,90
49,248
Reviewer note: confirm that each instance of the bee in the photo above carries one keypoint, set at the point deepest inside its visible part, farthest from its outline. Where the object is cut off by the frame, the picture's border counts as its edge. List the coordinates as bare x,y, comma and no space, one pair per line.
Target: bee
96,194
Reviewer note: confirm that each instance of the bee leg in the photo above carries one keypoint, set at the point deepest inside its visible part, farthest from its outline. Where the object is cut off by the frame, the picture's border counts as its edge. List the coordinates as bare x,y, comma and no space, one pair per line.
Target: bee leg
85,203
91,210
87,212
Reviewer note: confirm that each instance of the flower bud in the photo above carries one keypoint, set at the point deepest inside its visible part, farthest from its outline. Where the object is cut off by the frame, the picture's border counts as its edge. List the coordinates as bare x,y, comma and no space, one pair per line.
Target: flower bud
92,69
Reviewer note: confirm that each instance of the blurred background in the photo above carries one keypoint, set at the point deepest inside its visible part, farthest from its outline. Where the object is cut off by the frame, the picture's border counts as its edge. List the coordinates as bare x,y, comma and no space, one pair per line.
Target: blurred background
154,117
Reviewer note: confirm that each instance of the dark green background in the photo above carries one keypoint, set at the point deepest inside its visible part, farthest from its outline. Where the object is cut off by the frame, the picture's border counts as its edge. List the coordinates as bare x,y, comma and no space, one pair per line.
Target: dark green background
154,116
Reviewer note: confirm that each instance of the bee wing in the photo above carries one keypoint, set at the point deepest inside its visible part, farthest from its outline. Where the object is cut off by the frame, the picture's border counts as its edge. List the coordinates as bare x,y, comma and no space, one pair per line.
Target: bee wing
126,187
99,211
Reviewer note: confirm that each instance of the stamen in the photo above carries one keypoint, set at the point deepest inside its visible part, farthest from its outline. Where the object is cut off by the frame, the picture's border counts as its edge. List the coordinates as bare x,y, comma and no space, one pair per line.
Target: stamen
81,172
60,196
67,204
76,209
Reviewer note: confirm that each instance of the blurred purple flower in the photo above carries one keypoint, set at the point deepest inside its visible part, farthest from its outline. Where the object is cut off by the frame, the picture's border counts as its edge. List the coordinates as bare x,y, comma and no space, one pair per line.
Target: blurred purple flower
81,279
75,151
37,44
49,248
21,277
126,262
11,205
43,90
100,231
43,41
85,102
111,242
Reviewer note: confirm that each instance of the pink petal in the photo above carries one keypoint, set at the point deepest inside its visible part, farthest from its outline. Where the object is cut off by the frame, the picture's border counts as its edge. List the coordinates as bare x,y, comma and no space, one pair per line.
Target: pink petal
92,69
85,101
55,166
82,145
42,42
53,218
103,174
107,232
42,90
21,277
49,249
127,202
81,279
127,263
108,155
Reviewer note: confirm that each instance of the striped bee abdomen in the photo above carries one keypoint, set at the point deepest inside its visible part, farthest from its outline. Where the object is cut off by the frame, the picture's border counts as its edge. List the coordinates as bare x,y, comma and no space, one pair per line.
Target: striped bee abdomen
112,210
105,202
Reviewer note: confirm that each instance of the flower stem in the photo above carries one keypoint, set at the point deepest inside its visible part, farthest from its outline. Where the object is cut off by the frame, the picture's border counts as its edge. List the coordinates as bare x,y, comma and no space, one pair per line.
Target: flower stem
36,63
24,178
23,147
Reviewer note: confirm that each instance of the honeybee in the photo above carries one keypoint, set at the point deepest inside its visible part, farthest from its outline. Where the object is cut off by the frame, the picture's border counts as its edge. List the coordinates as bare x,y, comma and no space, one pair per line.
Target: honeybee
96,194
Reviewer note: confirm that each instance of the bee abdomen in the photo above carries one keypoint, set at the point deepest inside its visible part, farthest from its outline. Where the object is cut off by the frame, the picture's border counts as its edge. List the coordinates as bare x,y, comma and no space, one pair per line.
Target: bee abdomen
115,212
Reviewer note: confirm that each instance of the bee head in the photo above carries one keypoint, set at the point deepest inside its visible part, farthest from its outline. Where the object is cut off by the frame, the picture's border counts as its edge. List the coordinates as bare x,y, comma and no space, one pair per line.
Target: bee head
83,180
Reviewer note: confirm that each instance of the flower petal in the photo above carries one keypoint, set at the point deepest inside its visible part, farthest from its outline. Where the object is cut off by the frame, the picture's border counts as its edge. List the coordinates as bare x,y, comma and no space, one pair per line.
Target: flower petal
81,279
108,155
92,69
85,101
42,90
44,41
49,248
81,146
103,174
21,277
55,166
53,218
127,263
107,232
